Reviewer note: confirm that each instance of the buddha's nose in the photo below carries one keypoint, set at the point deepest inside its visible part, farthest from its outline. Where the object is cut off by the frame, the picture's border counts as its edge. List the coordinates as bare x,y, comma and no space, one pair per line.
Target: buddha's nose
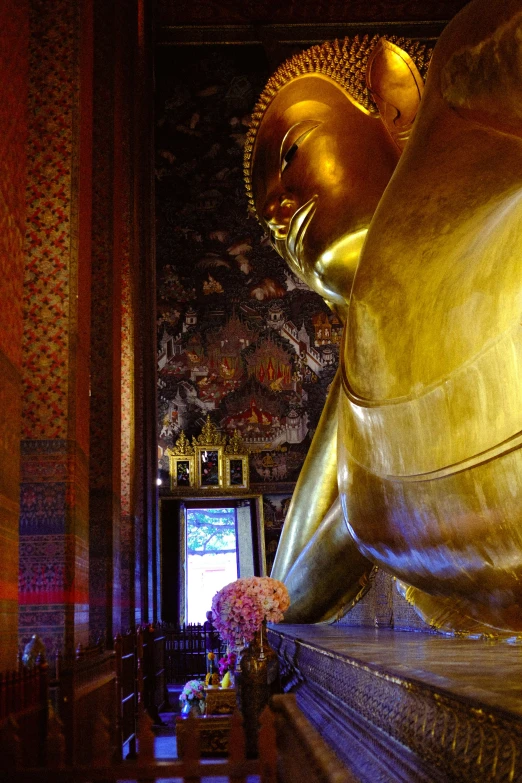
278,211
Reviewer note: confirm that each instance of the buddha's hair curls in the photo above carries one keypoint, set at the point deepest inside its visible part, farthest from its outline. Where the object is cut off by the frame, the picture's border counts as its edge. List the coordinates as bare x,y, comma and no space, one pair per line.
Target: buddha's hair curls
342,61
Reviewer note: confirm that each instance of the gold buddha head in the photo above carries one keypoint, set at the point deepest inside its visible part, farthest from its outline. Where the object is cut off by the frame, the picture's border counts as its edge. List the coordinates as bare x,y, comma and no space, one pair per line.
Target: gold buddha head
325,138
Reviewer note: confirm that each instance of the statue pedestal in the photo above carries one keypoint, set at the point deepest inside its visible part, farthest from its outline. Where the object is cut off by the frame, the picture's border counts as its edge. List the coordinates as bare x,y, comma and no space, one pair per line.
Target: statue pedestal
406,706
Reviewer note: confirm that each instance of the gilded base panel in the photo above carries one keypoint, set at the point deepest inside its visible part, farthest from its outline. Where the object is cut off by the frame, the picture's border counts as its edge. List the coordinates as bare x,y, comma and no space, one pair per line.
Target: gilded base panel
220,701
213,731
399,706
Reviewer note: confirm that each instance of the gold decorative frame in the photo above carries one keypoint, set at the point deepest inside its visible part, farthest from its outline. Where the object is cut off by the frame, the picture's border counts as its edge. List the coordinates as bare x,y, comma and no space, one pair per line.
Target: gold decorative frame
236,467
209,458
211,462
177,464
237,474
209,445
181,453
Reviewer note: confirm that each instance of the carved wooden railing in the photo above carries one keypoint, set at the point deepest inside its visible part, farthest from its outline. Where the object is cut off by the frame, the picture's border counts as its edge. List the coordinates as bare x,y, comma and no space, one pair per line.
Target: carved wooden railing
84,742
185,651
127,692
93,682
86,697
23,715
236,768
290,750
151,642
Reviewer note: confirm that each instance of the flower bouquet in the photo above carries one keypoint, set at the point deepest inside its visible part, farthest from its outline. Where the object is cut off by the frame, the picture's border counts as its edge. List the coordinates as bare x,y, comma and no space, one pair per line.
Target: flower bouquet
192,696
241,607
240,610
227,666
227,663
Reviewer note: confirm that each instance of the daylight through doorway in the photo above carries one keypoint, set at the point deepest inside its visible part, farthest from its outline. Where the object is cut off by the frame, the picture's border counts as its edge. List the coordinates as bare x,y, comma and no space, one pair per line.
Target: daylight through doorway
212,557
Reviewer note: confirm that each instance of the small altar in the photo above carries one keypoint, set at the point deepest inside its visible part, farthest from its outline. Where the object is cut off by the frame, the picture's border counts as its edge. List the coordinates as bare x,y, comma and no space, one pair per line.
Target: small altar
213,726
408,706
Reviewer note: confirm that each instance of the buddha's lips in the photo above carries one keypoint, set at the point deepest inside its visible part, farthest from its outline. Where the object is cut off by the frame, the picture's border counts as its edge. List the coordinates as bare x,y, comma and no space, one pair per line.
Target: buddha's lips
297,229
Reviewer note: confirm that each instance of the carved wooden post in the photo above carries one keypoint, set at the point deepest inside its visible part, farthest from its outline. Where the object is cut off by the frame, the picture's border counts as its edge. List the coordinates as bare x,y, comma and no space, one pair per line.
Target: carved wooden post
132,744
236,745
139,664
58,662
102,750
3,705
10,758
55,746
192,753
144,722
66,705
267,746
43,699
118,649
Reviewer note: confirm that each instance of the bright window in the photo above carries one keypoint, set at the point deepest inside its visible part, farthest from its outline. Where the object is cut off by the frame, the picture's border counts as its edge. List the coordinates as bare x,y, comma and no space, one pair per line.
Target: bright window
211,557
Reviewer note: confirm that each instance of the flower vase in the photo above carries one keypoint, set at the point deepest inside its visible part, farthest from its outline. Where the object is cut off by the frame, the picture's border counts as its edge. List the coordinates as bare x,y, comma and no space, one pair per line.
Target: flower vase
256,682
192,707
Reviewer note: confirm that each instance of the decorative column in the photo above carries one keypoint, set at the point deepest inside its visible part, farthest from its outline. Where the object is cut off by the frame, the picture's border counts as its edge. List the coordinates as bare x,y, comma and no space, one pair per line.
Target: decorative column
146,540
14,24
123,524
56,339
124,115
106,310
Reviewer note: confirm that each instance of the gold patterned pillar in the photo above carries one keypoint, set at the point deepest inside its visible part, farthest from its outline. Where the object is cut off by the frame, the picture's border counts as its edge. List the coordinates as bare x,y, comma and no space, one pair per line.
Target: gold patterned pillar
14,26
56,334
106,313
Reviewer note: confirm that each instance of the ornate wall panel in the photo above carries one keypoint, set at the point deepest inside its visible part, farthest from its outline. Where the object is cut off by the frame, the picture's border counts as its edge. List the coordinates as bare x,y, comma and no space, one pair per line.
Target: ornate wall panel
54,487
383,607
53,579
14,23
239,337
52,93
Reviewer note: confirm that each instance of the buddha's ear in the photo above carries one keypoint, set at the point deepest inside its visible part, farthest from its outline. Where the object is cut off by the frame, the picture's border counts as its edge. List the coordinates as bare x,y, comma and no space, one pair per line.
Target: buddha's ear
396,87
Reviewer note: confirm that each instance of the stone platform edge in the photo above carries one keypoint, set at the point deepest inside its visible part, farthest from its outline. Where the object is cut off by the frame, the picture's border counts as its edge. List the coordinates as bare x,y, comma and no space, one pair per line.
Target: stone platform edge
389,728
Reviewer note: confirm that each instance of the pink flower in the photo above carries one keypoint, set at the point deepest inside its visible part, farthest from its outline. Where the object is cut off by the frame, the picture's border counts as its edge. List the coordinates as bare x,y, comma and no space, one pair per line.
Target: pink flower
240,607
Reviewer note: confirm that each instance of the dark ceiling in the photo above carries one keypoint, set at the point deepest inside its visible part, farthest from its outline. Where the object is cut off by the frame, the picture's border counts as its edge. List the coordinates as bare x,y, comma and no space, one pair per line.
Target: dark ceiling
213,12
243,21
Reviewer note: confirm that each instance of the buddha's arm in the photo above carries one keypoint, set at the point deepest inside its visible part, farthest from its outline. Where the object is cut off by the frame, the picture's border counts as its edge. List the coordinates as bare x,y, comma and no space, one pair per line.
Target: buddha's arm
316,488
329,576
483,80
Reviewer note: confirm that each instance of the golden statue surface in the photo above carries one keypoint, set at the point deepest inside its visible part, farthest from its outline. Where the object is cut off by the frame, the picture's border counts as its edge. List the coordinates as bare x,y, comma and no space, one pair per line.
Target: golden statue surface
401,205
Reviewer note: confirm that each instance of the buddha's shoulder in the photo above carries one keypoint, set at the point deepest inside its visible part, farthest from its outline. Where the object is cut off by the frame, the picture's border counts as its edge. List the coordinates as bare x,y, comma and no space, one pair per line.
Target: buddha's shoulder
439,280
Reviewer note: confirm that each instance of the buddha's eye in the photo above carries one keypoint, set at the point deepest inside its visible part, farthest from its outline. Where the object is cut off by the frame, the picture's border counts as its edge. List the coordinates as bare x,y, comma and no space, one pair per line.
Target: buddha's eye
289,155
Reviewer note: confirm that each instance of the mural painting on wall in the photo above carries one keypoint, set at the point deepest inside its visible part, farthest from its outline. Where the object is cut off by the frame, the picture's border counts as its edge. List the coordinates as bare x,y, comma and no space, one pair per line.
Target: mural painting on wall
275,509
239,336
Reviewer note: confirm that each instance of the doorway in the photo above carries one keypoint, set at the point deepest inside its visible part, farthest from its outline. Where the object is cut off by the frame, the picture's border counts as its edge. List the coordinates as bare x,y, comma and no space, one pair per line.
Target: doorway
206,544
211,557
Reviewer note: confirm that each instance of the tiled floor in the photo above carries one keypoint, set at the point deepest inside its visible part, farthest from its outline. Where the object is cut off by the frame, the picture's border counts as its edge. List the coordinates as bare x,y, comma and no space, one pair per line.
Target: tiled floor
483,671
165,748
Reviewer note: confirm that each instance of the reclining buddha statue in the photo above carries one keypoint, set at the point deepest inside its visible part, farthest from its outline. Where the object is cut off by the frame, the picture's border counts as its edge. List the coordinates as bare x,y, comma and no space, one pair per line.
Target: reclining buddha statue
400,203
